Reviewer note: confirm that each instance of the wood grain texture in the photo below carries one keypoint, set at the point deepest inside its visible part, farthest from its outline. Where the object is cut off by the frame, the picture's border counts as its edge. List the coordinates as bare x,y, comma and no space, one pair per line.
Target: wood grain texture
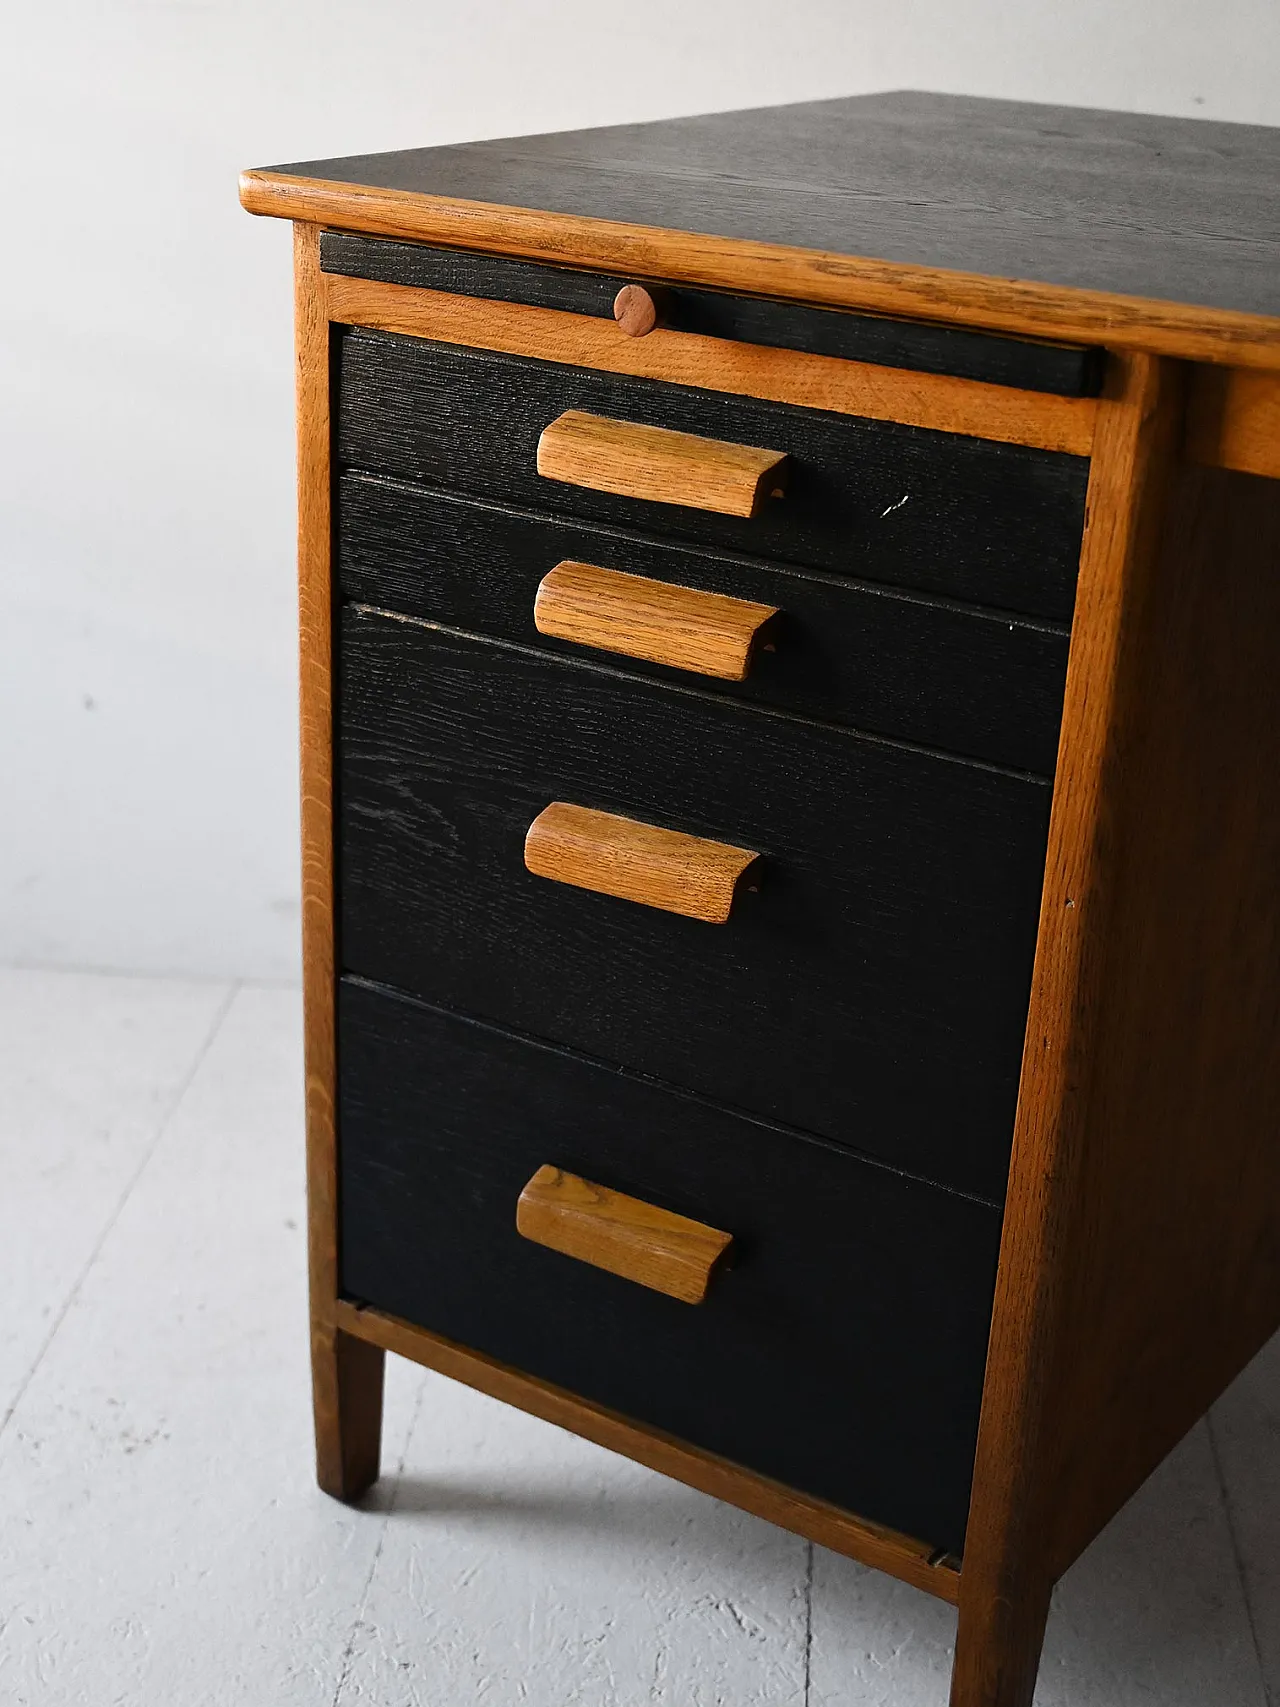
1172,1281
996,524
1025,219
883,1549
682,627
1009,1546
653,1247
965,680
1233,420
634,460
645,863
874,990
347,1382
346,1374
1141,1266
841,1352
638,309
1066,370
1003,413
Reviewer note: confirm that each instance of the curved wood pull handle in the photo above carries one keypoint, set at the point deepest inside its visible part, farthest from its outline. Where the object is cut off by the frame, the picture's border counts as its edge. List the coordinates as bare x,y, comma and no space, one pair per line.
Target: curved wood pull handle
680,626
636,461
636,862
624,1235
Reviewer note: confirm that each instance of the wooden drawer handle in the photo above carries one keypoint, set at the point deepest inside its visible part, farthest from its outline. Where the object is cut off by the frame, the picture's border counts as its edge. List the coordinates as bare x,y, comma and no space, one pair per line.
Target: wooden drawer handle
666,1252
638,309
636,862
653,462
680,626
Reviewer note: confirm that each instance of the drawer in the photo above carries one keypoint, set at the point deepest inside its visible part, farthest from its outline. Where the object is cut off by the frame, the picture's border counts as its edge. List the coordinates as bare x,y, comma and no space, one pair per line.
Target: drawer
1062,369
873,990
839,1350
997,524
959,678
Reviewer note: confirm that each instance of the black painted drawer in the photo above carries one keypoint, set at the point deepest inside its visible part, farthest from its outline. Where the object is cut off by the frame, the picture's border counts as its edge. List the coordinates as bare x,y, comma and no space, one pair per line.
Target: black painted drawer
874,990
1063,369
994,523
958,678
841,1352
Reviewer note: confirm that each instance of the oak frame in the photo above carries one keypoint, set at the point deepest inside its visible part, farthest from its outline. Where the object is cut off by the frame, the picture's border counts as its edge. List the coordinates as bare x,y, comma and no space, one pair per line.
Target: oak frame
1022,307
1001,412
1064,1407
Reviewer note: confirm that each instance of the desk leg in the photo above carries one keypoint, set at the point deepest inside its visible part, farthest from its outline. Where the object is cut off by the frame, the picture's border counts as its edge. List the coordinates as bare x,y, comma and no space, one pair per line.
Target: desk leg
346,1384
998,1645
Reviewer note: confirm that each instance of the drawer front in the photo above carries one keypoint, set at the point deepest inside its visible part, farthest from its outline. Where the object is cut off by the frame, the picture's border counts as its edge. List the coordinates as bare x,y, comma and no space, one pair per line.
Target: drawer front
993,523
964,680
841,1348
873,990
1062,369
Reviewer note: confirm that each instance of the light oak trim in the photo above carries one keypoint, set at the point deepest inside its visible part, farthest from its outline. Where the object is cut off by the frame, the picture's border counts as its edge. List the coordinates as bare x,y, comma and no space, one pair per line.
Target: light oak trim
682,627
1022,307
1013,1537
624,1235
633,460
637,862
346,1375
968,406
1233,420
315,617
883,1549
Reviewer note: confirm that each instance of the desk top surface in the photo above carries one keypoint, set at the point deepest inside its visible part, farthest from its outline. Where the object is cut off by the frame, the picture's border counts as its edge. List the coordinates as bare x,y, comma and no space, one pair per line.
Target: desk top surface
1050,202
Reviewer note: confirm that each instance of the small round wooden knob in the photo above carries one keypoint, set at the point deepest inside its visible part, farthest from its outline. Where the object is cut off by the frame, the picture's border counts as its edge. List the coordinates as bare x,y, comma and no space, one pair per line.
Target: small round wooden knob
635,310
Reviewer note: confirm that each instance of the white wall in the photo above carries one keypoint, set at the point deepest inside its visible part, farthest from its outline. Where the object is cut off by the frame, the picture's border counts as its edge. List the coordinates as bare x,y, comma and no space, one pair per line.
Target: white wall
147,814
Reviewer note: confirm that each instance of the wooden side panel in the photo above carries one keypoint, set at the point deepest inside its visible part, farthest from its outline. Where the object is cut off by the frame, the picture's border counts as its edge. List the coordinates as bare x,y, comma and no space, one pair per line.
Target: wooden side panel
1175,1274
346,1373
1141,1260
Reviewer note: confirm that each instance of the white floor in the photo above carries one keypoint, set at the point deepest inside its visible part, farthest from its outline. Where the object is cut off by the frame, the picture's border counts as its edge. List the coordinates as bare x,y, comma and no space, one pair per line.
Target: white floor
161,1541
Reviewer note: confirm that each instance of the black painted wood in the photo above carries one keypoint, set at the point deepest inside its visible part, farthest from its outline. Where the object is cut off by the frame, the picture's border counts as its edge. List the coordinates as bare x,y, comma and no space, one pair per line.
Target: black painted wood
964,680
841,1352
1175,209
998,524
1062,369
874,991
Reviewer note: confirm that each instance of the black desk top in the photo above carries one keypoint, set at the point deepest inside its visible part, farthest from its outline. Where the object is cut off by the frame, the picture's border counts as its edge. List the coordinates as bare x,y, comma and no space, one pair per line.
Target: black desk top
1179,211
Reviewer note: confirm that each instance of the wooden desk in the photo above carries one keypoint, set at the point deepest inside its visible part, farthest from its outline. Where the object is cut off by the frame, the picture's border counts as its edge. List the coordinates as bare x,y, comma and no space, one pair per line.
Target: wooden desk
789,806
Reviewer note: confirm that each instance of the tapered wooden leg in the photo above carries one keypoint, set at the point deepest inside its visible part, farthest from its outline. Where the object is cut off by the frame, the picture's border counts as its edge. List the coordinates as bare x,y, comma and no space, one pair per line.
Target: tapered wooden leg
346,1386
998,1646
